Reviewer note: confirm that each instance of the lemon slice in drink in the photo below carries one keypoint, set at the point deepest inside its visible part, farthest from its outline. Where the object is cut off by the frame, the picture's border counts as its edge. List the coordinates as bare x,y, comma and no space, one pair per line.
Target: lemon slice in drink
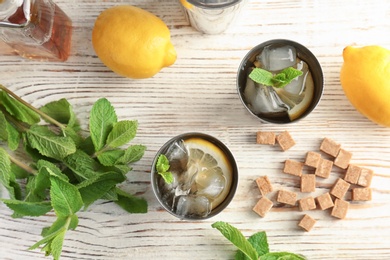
298,103
214,169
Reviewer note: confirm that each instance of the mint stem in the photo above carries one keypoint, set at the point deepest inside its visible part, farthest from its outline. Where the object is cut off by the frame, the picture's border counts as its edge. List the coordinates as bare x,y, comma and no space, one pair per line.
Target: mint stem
39,112
22,165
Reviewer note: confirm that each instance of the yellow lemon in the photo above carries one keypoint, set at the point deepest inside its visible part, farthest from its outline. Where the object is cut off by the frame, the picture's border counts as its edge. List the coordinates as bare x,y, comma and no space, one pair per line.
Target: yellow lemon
132,42
365,80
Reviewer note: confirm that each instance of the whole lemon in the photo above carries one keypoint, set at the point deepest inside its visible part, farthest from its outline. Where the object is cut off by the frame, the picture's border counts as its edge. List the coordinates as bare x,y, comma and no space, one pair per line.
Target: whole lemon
365,79
132,42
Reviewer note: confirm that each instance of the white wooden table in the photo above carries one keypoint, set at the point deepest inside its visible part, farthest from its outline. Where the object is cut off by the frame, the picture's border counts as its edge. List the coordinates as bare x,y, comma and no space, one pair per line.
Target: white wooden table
198,93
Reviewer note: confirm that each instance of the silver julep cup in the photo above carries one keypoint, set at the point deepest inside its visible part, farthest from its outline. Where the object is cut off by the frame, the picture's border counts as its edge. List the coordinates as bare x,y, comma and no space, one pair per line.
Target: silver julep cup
212,16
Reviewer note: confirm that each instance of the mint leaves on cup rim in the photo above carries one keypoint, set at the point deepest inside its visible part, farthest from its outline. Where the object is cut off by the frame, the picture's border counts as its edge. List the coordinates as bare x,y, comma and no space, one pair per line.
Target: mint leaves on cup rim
278,80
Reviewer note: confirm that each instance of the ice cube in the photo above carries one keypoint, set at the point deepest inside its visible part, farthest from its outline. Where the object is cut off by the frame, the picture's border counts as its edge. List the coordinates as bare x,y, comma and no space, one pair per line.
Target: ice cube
275,58
297,85
210,183
263,99
177,155
192,206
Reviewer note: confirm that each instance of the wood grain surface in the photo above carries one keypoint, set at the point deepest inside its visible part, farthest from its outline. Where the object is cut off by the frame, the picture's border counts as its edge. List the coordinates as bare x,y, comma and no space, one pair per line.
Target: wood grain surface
198,93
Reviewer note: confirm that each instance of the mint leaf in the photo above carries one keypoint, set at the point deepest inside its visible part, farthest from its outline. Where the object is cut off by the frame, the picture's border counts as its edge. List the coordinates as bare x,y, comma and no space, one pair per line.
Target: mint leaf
281,256
237,238
162,167
13,137
49,144
132,154
259,242
101,121
122,133
96,187
24,208
284,78
131,203
61,111
18,110
6,176
65,197
109,158
3,127
279,80
261,76
81,164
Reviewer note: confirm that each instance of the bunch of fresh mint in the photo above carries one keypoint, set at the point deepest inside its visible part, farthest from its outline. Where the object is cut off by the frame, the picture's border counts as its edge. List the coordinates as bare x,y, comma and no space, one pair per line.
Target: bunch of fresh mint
255,247
61,169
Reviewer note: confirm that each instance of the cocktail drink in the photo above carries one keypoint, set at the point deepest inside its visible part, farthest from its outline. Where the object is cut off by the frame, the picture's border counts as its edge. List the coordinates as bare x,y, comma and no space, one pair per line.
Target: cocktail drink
283,96
212,16
203,176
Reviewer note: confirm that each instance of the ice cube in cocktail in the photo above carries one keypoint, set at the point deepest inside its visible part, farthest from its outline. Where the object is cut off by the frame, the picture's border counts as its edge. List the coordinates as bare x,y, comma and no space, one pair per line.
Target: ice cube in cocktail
204,177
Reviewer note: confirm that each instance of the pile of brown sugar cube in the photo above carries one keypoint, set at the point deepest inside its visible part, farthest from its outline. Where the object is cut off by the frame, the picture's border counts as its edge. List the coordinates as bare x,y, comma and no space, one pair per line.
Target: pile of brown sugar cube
356,179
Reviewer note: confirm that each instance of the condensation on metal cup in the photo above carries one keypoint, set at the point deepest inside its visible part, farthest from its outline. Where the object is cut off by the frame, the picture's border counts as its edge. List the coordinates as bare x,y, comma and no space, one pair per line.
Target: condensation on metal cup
212,16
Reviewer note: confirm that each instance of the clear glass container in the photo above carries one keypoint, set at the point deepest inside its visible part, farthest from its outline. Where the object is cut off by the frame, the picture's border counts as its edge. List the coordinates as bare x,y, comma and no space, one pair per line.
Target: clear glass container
36,29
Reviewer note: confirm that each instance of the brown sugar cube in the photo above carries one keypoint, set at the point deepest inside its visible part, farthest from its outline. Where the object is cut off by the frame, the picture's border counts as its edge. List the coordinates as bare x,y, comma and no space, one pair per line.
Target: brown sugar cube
308,203
330,147
340,208
361,194
307,222
340,188
324,201
285,140
293,167
263,206
312,159
264,185
287,197
324,168
343,158
365,177
265,138
308,183
352,174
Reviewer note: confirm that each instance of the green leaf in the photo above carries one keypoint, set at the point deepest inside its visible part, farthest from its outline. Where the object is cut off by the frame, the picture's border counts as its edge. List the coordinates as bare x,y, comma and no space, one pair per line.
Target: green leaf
259,242
61,111
44,166
109,158
65,197
122,133
131,203
3,127
6,175
13,137
54,236
19,172
281,256
162,167
101,121
237,238
18,110
81,164
95,188
284,78
33,209
49,144
261,76
132,154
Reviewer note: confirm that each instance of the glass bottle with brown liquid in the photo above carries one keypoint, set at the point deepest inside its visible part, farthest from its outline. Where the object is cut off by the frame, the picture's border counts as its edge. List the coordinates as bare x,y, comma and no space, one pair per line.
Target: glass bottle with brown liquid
36,29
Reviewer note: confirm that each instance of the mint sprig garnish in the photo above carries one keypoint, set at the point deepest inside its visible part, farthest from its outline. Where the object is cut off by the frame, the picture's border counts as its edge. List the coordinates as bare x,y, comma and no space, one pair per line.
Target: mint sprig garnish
278,80
254,248
63,169
162,167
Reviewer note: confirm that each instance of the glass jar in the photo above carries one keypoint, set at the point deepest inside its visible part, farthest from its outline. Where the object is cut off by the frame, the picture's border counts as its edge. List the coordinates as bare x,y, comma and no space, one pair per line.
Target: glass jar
36,29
